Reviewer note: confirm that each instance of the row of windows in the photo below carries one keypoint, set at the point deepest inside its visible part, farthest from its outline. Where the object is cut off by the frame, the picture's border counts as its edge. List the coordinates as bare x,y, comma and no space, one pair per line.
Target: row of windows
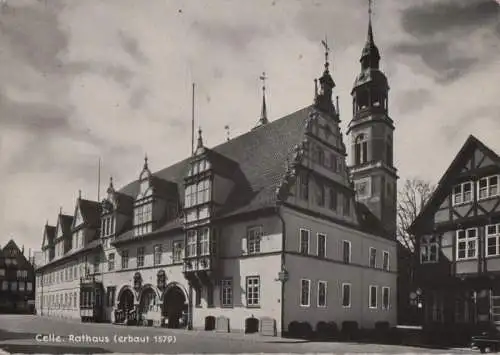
197,194
19,273
322,191
305,240
467,244
67,274
252,291
486,187
10,261
17,286
67,300
322,290
329,161
107,226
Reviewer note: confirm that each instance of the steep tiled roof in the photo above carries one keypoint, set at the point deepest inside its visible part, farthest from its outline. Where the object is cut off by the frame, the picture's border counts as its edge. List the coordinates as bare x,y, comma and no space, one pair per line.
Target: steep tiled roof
91,212
260,154
65,222
50,234
125,203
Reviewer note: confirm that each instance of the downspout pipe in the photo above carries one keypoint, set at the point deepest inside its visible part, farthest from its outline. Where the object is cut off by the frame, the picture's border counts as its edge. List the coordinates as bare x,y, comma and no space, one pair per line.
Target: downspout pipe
283,239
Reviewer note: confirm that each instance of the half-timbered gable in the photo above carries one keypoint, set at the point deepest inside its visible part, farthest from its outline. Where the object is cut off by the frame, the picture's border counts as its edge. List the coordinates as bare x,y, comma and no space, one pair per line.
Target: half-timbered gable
458,230
49,233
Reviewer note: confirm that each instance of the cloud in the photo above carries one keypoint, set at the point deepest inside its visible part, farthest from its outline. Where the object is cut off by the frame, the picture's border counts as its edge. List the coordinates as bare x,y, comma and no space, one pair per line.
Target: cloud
86,79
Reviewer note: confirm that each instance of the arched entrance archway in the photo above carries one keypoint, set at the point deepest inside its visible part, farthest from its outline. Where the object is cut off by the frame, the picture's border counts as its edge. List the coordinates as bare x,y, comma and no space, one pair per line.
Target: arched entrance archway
175,307
125,305
147,302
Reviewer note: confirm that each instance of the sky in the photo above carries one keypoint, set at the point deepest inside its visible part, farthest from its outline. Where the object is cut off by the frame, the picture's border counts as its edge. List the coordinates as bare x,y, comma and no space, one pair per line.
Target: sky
83,80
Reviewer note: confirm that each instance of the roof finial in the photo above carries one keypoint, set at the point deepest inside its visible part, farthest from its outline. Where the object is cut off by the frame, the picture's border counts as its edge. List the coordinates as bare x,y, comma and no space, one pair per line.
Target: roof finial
263,113
79,194
370,30
327,51
145,161
200,138
60,210
226,127
111,181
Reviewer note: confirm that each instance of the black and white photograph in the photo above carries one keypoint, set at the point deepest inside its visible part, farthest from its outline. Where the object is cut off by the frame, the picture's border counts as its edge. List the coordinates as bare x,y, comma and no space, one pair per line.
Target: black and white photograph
249,176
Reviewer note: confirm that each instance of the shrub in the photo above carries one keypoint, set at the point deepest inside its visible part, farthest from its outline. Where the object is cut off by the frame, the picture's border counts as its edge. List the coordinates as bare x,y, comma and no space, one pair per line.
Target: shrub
306,331
322,330
333,329
294,329
350,330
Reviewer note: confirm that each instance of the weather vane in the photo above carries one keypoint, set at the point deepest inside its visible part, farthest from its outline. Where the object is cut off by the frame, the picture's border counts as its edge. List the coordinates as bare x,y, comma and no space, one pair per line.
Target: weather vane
263,77
327,49
370,7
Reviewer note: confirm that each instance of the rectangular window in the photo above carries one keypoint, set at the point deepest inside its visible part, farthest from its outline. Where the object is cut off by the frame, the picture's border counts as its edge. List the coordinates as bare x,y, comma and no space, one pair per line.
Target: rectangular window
111,261
462,193
140,257
304,241
227,292
110,296
373,257
429,249
13,285
385,263
210,296
191,243
333,199
157,254
97,262
21,285
322,286
467,244
347,205
373,297
333,163
197,301
124,259
254,235
305,293
178,251
346,251
488,187
204,241
253,291
320,193
493,240
346,295
386,291
303,185
321,245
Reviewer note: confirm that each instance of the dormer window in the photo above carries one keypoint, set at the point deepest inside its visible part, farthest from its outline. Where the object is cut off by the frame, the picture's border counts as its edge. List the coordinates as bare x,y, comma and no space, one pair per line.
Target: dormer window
462,193
198,193
107,226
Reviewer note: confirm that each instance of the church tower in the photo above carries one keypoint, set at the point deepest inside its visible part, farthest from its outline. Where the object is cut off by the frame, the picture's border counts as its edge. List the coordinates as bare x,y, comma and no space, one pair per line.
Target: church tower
371,133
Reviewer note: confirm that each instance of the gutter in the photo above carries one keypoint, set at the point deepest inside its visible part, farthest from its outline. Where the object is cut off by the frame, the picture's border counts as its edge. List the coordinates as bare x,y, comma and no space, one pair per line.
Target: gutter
283,239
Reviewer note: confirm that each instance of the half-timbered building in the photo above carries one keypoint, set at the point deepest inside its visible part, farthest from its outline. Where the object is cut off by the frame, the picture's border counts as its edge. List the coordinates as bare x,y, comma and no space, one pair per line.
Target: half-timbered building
458,239
272,227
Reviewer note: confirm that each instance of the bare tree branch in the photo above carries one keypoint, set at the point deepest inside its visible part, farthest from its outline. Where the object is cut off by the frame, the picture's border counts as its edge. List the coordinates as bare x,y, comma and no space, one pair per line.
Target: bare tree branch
411,199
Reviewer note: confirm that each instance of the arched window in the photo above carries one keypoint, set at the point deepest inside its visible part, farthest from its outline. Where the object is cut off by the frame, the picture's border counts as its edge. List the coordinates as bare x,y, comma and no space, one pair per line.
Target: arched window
360,149
389,151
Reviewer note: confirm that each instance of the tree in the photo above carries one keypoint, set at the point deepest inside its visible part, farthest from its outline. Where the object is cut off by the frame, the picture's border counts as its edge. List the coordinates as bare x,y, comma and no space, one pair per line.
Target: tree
411,199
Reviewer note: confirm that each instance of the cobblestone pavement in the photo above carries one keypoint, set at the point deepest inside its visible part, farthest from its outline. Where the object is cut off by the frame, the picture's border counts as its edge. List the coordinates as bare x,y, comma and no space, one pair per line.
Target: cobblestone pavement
37,334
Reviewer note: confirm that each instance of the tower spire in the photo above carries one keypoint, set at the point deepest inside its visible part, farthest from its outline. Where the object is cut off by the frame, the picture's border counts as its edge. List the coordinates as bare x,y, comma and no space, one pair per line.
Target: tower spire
200,139
327,52
370,57
263,112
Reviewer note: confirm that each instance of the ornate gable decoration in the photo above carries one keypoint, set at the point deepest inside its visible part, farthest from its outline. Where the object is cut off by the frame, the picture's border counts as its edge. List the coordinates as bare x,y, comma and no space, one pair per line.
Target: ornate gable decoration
109,204
145,179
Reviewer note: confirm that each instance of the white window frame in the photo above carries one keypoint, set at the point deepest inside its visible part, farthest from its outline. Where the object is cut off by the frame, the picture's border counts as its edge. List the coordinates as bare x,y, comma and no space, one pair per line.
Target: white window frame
427,244
318,235
492,236
204,241
125,258
458,198
111,261
388,266
343,295
350,251
490,190
226,292
252,302
326,294
467,240
370,296
308,241
308,283
177,251
140,256
254,238
191,249
157,254
388,290
374,266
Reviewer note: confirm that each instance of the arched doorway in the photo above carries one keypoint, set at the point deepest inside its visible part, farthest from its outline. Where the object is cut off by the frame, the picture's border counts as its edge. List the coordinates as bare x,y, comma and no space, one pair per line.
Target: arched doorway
175,307
147,303
125,305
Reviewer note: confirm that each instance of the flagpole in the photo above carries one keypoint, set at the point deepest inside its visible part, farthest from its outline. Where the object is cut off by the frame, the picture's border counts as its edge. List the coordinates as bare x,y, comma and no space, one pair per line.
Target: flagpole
99,181
192,122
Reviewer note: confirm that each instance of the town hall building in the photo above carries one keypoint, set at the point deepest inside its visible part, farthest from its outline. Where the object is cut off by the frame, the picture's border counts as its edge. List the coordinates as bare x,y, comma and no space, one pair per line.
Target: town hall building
272,227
